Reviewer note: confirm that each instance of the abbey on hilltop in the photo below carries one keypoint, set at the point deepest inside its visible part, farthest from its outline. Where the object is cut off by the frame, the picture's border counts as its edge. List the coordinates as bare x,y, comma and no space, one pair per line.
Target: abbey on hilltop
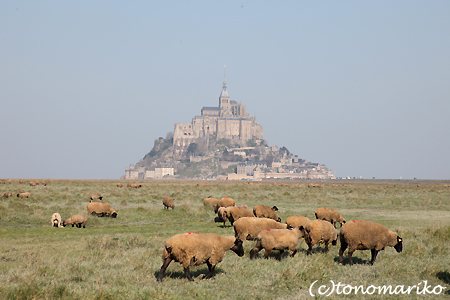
229,120
224,142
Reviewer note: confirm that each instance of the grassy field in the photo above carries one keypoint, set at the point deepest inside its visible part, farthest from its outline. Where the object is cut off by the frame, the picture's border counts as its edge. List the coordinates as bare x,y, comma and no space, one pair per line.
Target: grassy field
120,258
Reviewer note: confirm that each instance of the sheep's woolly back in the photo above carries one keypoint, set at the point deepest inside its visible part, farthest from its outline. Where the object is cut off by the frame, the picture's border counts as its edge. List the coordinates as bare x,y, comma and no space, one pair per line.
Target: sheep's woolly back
76,219
234,213
280,239
210,202
56,217
193,248
168,202
296,221
248,228
317,231
365,235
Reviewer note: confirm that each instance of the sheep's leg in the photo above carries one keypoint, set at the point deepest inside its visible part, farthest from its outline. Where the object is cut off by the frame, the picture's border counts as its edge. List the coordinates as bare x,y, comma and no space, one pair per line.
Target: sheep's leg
293,253
374,256
350,254
211,270
163,268
309,249
267,253
281,254
326,246
341,251
255,250
188,274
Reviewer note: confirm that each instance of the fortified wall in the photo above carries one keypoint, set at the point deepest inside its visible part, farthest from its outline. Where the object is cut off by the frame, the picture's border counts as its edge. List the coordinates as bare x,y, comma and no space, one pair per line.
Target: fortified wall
229,120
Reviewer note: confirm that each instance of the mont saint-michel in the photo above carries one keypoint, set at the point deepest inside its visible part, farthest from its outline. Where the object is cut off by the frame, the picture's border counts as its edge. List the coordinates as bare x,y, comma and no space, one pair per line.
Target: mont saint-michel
224,142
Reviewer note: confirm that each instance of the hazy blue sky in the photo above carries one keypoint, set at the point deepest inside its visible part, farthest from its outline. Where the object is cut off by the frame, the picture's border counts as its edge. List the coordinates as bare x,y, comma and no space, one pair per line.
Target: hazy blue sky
360,86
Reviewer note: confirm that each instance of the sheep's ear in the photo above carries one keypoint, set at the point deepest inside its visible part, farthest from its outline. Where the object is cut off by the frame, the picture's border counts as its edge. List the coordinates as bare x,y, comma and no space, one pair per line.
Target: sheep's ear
301,228
275,208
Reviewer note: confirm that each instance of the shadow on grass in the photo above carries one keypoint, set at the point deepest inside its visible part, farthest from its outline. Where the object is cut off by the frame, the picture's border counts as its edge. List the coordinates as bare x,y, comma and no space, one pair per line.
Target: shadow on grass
194,273
444,276
356,261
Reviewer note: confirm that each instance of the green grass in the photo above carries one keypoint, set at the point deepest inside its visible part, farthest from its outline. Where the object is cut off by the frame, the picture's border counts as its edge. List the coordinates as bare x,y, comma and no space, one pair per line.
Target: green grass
120,258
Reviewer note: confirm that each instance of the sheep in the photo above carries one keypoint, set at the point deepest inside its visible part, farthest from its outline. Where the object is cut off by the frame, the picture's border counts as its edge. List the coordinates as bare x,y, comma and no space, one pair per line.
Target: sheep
366,235
194,249
101,209
224,202
222,213
210,202
44,183
168,202
23,195
119,185
235,213
319,231
278,239
296,221
329,215
34,183
129,185
21,181
7,194
248,228
95,197
77,220
263,211
56,220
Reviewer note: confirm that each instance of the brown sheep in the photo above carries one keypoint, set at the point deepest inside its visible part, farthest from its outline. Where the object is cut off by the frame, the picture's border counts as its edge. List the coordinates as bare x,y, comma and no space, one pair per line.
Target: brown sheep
329,215
278,239
95,197
296,221
222,213
7,194
234,213
34,183
366,235
56,220
119,185
319,231
129,185
77,220
248,228
263,211
168,202
23,195
101,209
210,202
194,249
224,202
21,181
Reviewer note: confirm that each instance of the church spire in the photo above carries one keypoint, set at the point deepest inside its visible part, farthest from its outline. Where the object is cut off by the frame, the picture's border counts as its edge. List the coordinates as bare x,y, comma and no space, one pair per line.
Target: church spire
224,93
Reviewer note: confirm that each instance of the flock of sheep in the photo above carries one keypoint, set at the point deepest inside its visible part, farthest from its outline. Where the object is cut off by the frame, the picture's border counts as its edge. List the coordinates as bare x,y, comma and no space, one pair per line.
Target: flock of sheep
264,226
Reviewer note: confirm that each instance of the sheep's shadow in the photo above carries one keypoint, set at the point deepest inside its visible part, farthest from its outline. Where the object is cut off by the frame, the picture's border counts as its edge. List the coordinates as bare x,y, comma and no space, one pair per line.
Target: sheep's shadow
356,261
276,254
445,277
194,273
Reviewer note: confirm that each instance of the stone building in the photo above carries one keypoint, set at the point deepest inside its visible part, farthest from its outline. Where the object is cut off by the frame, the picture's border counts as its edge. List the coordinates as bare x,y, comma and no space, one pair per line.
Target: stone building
229,120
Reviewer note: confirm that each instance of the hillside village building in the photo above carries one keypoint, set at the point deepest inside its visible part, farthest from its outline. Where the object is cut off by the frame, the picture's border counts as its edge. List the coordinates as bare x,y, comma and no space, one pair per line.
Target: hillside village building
229,120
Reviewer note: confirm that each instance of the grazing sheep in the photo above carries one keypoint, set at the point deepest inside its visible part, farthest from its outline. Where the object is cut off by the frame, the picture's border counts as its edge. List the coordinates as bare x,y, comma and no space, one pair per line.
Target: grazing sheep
319,231
7,181
77,220
95,197
263,211
277,239
34,183
23,195
119,185
366,235
44,183
21,181
224,202
101,209
56,220
210,202
329,215
296,221
248,228
222,213
194,249
168,202
7,194
234,213
129,185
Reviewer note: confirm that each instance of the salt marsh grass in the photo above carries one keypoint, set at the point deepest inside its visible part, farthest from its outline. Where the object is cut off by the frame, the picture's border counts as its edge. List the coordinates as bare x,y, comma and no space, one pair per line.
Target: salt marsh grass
120,258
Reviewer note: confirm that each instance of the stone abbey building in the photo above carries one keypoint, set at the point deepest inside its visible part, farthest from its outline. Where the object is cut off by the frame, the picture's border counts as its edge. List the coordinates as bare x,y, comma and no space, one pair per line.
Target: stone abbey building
229,120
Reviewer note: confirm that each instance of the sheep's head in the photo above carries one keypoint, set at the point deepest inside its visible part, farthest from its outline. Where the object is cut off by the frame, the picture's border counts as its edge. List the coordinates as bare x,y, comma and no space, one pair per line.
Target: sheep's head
399,245
114,215
238,248
274,208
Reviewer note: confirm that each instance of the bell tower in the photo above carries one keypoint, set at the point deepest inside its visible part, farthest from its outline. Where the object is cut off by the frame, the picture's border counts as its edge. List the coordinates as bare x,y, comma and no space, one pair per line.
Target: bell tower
224,99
